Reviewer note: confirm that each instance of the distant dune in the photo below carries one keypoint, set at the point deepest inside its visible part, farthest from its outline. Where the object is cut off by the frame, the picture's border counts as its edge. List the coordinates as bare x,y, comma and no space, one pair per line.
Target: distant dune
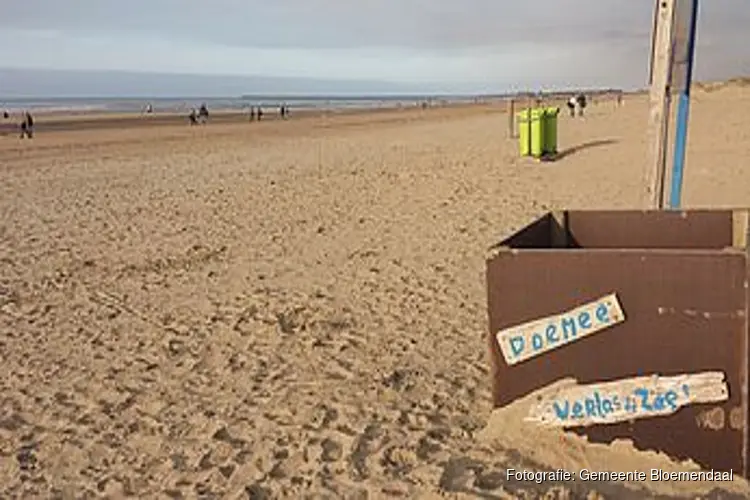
732,82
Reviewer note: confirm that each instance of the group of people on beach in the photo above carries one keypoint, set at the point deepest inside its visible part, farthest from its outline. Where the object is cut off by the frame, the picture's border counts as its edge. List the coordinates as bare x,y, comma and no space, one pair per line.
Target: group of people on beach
27,123
198,116
257,112
577,103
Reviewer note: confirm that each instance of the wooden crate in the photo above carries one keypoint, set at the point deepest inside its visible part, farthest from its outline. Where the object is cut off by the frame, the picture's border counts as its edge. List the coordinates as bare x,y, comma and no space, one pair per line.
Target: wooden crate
681,280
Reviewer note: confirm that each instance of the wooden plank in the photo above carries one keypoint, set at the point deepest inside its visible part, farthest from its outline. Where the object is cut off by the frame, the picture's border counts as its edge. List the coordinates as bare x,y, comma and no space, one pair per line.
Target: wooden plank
627,399
658,127
534,338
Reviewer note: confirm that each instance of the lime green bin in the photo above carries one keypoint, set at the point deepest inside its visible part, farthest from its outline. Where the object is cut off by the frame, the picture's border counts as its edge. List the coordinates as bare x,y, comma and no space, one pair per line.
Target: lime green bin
531,132
537,136
549,136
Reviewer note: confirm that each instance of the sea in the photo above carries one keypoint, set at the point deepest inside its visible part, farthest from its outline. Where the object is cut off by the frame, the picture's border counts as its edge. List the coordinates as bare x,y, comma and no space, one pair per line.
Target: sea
181,104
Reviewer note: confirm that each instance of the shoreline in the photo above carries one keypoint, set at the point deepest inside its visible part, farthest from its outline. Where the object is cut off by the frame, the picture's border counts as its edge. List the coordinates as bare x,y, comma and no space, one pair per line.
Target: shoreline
64,121
80,106
86,121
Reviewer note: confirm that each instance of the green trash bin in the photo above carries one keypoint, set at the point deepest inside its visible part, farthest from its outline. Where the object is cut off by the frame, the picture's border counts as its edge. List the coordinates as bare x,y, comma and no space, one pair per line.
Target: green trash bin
531,132
549,136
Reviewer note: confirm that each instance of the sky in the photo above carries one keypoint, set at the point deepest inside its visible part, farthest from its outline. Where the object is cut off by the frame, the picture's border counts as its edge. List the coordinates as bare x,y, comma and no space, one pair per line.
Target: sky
451,45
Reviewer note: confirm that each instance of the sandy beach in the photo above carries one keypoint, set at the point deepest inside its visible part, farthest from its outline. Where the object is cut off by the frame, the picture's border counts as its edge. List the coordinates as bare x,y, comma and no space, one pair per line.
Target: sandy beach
297,309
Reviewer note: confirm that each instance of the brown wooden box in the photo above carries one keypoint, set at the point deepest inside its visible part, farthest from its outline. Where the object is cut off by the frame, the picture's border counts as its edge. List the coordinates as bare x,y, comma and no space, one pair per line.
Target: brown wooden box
682,281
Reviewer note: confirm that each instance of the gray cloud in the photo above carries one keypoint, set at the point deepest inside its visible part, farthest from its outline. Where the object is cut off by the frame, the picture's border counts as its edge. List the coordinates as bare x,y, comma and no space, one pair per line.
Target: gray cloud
470,43
417,24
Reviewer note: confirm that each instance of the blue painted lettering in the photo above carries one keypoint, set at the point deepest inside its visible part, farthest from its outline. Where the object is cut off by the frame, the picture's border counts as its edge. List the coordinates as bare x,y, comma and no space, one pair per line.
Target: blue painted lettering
643,395
616,403
563,411
590,406
670,398
598,400
631,404
537,342
659,402
598,405
551,334
577,410
584,320
534,338
516,345
602,313
569,328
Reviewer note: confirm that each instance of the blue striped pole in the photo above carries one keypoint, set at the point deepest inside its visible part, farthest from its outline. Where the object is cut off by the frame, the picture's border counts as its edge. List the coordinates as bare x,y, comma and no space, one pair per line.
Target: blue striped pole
683,113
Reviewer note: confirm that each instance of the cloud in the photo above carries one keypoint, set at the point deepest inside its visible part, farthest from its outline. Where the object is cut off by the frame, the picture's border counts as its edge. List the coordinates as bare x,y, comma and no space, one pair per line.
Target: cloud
461,43
329,24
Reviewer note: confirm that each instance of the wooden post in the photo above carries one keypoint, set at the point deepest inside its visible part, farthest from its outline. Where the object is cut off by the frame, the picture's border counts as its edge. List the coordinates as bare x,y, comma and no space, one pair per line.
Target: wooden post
686,19
658,129
512,118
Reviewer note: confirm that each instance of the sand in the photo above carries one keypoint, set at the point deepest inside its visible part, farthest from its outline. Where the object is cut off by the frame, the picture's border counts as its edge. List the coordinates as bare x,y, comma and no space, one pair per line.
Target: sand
296,309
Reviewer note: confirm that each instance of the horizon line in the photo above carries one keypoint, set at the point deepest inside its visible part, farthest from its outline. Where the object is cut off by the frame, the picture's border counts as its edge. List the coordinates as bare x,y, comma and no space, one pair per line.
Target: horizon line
360,96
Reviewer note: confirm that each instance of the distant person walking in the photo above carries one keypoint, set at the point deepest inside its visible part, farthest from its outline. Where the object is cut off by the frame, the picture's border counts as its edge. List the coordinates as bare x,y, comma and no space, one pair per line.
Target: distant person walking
27,126
260,113
6,115
581,99
572,104
203,113
193,117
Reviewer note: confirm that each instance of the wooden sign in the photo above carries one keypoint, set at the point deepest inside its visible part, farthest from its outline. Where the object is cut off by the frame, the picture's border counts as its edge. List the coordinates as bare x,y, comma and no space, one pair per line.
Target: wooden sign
629,399
528,340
